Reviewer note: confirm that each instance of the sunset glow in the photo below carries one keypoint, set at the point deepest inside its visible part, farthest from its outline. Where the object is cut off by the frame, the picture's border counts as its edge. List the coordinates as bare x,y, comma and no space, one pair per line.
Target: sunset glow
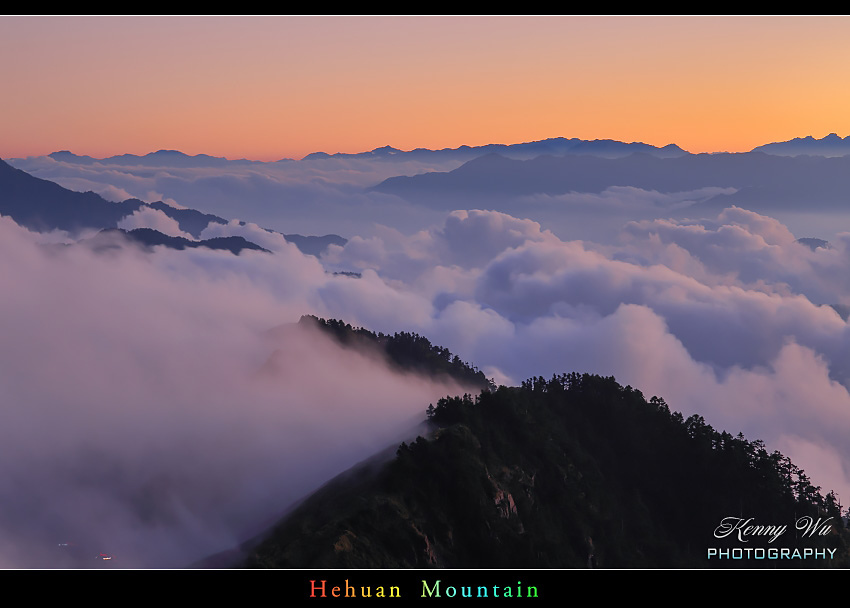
267,88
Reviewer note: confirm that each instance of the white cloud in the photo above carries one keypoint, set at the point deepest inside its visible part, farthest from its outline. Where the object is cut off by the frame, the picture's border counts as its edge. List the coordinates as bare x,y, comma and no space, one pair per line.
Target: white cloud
147,217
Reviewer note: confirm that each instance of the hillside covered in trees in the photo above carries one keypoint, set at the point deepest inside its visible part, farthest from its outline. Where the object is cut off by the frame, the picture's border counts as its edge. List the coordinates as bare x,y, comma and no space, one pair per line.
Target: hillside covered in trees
404,351
572,472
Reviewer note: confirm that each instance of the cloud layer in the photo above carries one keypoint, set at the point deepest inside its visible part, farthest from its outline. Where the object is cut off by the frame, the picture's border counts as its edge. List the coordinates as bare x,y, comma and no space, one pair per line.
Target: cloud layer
155,402
727,317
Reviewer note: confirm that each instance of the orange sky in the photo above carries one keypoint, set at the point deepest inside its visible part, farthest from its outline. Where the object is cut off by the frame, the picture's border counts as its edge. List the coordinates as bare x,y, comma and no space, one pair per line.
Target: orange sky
281,87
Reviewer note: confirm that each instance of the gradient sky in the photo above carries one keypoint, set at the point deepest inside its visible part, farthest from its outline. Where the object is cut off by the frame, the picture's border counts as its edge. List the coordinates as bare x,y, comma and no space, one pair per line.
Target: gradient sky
267,88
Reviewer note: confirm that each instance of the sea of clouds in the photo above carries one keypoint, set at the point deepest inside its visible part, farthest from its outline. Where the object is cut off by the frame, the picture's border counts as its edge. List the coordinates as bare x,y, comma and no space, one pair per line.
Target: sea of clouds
130,374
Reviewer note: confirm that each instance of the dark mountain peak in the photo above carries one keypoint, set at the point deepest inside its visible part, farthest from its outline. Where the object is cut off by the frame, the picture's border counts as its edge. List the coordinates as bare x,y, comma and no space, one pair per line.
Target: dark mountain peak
560,140
171,155
316,156
384,150
69,157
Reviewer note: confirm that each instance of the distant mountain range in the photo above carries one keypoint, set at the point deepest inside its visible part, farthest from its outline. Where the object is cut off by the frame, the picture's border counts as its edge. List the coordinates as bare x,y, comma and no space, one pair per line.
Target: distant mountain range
830,145
557,146
760,181
173,158
801,174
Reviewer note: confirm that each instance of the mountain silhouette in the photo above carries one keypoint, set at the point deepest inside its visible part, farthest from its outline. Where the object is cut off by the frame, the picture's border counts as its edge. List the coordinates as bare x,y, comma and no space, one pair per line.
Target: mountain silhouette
41,205
760,180
148,237
315,245
558,146
171,158
831,145
605,148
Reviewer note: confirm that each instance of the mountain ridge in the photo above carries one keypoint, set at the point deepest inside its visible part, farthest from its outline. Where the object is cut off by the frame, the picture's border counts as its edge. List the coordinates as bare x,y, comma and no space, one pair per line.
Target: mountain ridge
173,157
42,205
556,145
829,145
553,145
574,472
148,237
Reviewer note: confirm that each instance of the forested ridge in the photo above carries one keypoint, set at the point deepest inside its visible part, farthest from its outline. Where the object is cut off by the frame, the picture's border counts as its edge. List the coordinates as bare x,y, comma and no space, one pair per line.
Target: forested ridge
572,472
404,350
